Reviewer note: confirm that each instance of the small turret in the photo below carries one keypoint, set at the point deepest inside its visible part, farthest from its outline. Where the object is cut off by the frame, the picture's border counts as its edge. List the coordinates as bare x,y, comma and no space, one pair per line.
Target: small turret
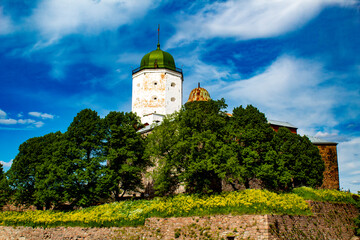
199,94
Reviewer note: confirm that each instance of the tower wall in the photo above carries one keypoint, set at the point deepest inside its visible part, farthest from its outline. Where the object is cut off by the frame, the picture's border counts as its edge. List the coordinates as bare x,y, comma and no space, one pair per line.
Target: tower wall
156,91
328,154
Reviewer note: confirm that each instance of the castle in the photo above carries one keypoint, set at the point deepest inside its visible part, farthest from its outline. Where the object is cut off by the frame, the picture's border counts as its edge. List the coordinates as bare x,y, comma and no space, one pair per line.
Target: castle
157,90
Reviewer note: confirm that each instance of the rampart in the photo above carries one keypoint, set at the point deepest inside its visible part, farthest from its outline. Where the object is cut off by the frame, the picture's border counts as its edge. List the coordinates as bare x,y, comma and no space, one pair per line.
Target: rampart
330,221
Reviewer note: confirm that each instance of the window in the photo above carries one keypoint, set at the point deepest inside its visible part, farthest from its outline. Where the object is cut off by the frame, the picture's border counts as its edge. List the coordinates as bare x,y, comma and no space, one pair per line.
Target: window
154,98
173,99
173,84
155,83
138,85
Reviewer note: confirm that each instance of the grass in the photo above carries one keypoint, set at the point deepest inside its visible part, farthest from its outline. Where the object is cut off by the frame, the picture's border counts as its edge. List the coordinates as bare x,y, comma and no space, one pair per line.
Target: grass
135,212
327,195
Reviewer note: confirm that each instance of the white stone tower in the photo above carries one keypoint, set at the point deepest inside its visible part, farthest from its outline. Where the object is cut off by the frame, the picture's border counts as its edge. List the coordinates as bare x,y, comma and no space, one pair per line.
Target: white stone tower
157,87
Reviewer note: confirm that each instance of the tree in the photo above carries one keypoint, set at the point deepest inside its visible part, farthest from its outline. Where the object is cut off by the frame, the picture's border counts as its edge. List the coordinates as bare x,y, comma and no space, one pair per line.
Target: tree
55,178
201,148
280,161
91,179
190,149
124,149
22,174
5,191
300,157
252,135
162,149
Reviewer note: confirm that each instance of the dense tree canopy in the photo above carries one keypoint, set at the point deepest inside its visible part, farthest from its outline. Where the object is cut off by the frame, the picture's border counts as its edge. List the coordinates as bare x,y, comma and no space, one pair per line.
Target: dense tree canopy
201,148
72,167
191,150
25,171
124,149
204,149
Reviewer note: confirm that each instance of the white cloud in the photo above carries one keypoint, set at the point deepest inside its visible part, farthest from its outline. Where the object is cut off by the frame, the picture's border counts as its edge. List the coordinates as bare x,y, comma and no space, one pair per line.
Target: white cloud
42,115
349,164
57,18
289,90
27,122
244,19
8,121
321,134
7,164
39,124
6,25
2,114
210,76
331,135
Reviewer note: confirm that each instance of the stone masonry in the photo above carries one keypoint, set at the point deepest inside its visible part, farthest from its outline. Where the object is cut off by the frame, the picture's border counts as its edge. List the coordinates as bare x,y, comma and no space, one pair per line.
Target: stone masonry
328,154
329,221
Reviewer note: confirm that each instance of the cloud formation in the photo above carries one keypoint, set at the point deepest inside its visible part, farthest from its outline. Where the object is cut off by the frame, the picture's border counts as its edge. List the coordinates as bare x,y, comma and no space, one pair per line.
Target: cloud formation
249,19
4,120
2,114
57,18
42,115
288,90
349,163
7,164
6,25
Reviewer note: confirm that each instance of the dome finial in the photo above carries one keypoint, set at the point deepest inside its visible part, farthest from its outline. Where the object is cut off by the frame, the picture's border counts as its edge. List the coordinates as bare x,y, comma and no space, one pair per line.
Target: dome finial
158,45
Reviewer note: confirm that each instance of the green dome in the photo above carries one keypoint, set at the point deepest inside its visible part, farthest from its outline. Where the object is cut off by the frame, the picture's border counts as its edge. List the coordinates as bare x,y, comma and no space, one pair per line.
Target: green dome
158,59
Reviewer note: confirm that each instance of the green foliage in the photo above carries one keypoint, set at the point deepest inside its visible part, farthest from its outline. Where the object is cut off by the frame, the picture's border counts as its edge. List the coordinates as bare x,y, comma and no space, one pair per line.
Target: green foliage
201,147
54,178
300,157
189,148
70,168
86,133
252,135
26,165
161,149
89,177
124,150
5,191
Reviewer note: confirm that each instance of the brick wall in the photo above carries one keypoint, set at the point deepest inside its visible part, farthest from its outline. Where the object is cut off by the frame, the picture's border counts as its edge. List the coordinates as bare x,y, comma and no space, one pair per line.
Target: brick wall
328,153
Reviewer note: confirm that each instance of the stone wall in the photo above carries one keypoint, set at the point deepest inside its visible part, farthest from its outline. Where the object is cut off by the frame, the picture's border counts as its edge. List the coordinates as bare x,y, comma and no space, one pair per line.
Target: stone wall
330,221
328,154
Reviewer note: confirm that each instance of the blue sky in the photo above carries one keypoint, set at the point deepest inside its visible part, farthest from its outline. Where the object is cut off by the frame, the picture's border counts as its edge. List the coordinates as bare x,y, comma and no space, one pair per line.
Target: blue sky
297,61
